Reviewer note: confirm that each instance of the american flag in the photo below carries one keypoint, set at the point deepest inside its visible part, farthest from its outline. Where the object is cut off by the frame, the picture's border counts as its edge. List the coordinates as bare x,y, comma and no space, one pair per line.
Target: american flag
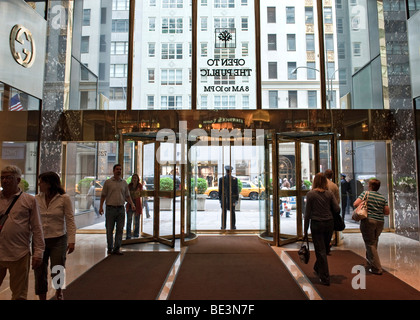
15,104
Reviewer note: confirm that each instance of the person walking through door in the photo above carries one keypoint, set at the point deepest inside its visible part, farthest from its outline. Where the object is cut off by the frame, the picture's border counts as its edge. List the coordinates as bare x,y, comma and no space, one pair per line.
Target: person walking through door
228,196
320,207
372,226
135,188
115,193
57,216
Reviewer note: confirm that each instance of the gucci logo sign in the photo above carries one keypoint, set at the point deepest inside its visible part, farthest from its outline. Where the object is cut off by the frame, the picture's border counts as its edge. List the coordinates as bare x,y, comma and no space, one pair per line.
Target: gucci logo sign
18,34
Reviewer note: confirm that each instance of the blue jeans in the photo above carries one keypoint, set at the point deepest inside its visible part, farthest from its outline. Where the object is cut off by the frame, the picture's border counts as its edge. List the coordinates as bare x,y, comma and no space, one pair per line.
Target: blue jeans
130,214
55,250
114,217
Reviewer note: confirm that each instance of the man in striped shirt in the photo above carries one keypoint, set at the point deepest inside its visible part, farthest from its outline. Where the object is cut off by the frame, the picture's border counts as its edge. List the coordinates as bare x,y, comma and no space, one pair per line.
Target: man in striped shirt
372,226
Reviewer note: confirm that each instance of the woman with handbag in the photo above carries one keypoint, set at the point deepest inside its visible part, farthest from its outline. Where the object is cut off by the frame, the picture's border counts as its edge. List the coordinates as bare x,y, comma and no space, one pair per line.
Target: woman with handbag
135,188
372,226
320,207
59,228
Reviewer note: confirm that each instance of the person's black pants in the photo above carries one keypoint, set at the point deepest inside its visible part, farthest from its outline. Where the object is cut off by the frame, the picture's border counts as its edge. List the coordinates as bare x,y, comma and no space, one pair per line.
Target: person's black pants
233,217
343,206
321,236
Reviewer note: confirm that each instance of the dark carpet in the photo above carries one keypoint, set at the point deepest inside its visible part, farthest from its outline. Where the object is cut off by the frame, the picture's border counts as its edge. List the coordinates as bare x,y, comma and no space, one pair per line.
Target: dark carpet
233,268
132,276
348,284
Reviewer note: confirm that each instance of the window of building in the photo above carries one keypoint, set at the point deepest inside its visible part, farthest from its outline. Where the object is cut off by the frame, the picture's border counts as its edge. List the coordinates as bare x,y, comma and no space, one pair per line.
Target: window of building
291,66
151,75
152,24
120,4
292,96
152,49
244,23
311,70
273,99
312,99
171,77
203,23
172,25
328,15
290,15
171,51
271,14
172,3
84,45
291,42
120,25
86,17
272,42
309,15
310,42
272,70
171,102
224,3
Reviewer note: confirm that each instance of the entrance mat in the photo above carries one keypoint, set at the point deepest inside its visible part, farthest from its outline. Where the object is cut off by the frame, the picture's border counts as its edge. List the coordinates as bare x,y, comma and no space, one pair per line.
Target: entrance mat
233,268
340,264
229,244
132,276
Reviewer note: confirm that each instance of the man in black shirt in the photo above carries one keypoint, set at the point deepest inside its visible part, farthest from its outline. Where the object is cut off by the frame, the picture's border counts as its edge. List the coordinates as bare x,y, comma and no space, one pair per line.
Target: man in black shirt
228,196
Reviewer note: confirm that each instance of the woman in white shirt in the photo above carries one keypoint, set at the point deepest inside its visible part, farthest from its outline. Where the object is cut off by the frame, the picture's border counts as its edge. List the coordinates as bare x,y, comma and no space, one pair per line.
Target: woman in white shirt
57,218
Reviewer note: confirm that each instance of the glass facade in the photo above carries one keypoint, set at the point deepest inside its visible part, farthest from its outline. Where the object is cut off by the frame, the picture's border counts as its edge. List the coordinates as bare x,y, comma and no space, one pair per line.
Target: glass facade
118,67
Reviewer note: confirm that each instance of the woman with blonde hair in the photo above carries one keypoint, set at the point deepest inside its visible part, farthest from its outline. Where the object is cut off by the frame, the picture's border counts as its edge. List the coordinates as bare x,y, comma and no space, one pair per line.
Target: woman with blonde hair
320,207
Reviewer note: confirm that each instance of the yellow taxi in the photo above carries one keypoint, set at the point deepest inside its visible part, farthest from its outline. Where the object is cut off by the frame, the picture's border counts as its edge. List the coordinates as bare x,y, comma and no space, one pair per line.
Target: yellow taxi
249,190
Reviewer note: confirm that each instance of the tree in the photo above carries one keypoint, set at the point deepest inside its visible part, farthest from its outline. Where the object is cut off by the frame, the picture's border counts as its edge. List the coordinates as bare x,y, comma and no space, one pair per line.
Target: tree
225,36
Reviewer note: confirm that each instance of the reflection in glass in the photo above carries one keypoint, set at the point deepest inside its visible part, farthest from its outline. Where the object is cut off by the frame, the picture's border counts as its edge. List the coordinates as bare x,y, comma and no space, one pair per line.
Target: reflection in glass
162,59
99,68
289,53
226,74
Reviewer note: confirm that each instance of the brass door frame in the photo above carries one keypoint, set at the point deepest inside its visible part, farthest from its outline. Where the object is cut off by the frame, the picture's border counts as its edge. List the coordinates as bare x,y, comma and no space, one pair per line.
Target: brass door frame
279,239
148,138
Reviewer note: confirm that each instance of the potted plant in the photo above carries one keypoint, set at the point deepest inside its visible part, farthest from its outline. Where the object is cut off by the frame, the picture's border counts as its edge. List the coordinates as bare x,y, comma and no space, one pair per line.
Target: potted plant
167,185
200,186
84,185
23,185
82,189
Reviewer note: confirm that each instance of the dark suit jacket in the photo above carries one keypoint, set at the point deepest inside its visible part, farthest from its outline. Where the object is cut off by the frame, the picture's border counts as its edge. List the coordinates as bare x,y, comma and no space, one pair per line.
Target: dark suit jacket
230,193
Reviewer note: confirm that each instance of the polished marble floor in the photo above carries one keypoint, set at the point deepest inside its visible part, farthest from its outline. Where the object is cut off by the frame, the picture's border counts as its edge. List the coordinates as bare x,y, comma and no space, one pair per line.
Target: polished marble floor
399,256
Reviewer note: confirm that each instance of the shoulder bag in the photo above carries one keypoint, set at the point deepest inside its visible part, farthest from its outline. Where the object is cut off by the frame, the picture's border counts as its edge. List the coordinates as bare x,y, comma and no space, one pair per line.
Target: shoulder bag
304,253
4,216
361,212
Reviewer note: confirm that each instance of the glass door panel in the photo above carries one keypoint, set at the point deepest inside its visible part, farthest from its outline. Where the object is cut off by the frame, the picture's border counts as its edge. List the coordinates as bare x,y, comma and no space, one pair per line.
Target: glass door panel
167,182
266,208
147,169
308,169
287,189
